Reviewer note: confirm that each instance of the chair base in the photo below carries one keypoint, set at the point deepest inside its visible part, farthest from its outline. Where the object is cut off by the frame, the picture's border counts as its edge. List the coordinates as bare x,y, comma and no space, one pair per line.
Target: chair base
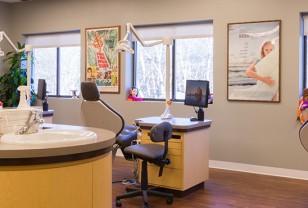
144,193
144,190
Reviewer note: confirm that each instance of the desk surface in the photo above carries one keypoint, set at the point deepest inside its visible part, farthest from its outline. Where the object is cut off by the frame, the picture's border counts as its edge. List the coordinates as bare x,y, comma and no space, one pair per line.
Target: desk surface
48,113
181,124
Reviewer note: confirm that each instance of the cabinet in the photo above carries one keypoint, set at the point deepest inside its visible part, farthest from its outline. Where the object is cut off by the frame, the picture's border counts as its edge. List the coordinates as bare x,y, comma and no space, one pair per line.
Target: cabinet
188,153
80,184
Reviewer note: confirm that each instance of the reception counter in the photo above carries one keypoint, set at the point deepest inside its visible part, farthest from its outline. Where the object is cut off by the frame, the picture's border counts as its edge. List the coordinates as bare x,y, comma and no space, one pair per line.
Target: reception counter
60,176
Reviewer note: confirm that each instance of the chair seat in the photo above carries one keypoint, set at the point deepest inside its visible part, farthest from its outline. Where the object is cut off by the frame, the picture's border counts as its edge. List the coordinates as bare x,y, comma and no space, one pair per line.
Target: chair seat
146,151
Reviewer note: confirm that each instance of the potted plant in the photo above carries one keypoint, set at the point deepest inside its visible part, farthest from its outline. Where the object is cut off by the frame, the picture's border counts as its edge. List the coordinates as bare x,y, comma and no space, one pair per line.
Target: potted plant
16,76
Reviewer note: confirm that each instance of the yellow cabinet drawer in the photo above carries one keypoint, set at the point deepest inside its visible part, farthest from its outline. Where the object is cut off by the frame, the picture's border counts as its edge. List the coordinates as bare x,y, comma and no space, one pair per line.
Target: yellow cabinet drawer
176,136
171,178
175,162
172,144
172,151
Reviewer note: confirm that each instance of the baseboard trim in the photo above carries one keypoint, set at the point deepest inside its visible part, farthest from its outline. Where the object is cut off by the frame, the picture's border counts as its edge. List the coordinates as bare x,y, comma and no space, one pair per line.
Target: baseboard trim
264,170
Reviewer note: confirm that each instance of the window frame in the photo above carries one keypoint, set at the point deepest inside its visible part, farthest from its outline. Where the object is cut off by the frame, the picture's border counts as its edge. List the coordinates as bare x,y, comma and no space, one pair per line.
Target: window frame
173,59
54,44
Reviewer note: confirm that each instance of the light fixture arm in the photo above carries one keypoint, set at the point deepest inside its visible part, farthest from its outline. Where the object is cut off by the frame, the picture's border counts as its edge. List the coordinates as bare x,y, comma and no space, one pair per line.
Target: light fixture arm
130,29
3,34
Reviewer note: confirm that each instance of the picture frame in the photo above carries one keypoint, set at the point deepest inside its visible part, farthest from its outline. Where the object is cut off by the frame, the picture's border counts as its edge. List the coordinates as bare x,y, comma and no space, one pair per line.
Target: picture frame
254,61
102,64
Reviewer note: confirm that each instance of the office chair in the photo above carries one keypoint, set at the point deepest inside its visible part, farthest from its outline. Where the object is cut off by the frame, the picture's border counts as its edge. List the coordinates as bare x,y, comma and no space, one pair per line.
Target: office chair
303,135
152,153
97,113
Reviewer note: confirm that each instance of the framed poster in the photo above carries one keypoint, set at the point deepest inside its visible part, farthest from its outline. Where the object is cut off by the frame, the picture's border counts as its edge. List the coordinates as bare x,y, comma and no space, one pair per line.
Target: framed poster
102,64
254,61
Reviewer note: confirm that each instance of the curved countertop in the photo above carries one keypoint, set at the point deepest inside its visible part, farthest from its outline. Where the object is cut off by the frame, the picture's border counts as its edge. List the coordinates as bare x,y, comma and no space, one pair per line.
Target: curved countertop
13,154
178,124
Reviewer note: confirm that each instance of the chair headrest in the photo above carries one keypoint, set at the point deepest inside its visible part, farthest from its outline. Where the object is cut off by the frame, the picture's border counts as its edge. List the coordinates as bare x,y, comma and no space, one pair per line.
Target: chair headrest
89,91
161,131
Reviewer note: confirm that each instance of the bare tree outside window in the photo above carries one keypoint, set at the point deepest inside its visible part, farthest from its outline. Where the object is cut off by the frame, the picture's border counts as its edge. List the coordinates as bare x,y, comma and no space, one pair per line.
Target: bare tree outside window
65,61
151,71
193,60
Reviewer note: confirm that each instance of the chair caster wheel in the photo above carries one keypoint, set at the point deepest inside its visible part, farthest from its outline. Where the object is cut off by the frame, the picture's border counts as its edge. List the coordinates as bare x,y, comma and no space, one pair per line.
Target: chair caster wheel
169,200
118,203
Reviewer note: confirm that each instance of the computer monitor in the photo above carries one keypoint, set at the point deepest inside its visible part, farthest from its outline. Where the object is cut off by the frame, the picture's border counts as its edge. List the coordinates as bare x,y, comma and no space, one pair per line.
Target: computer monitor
197,95
41,89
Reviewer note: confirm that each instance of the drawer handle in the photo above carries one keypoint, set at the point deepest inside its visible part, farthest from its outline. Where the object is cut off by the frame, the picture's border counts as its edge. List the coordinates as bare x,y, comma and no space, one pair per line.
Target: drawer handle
173,136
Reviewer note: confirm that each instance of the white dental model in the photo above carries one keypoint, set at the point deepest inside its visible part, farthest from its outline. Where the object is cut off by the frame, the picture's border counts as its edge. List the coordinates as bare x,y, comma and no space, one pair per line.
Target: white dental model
24,97
166,114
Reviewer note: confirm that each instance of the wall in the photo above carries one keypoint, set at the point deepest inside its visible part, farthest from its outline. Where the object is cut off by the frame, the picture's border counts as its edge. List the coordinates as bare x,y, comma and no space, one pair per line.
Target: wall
5,26
263,134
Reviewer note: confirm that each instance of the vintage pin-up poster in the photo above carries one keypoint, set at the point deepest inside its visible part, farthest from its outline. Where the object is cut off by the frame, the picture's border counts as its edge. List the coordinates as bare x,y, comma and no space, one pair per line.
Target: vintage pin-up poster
102,64
254,61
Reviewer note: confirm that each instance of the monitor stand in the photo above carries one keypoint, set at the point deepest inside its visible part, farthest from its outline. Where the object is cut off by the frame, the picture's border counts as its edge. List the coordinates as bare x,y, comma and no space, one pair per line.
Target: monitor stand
200,114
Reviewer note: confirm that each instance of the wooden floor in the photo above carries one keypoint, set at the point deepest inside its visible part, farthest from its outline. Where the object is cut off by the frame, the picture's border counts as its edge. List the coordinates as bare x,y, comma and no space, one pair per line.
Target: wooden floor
223,189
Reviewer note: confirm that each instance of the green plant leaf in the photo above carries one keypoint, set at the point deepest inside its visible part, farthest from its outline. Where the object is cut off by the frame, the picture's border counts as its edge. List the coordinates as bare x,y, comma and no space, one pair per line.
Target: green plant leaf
16,76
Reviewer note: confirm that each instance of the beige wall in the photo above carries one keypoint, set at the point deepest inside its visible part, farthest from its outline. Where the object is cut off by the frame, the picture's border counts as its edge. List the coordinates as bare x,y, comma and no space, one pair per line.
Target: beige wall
4,26
252,133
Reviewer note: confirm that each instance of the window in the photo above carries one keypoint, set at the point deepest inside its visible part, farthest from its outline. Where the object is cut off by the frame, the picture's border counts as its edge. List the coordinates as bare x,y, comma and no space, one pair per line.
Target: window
191,58
57,60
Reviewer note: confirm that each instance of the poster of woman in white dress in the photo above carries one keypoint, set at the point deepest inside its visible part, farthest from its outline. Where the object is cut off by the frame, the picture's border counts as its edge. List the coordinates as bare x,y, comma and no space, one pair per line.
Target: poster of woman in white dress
254,61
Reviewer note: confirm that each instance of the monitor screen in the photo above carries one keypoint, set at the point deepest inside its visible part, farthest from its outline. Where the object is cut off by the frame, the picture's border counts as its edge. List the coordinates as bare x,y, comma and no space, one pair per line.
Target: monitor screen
197,93
41,89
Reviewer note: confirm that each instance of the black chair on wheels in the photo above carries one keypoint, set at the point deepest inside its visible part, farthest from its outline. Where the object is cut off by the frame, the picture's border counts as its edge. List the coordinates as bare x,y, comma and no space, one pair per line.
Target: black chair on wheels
97,113
150,153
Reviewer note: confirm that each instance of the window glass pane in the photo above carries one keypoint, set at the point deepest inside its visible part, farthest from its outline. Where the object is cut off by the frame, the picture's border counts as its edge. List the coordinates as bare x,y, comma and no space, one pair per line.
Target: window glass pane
57,60
151,71
193,60
45,67
69,69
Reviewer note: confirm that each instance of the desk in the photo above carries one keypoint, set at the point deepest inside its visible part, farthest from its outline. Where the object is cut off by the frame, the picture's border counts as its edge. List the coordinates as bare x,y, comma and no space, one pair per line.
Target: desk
188,153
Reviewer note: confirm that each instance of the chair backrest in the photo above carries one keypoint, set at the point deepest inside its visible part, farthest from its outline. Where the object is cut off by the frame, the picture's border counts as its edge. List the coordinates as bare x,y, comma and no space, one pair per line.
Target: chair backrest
161,132
303,135
97,113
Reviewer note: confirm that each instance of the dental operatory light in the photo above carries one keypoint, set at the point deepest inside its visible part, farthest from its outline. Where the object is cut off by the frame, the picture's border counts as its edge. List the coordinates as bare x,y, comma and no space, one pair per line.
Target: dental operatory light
27,49
124,46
